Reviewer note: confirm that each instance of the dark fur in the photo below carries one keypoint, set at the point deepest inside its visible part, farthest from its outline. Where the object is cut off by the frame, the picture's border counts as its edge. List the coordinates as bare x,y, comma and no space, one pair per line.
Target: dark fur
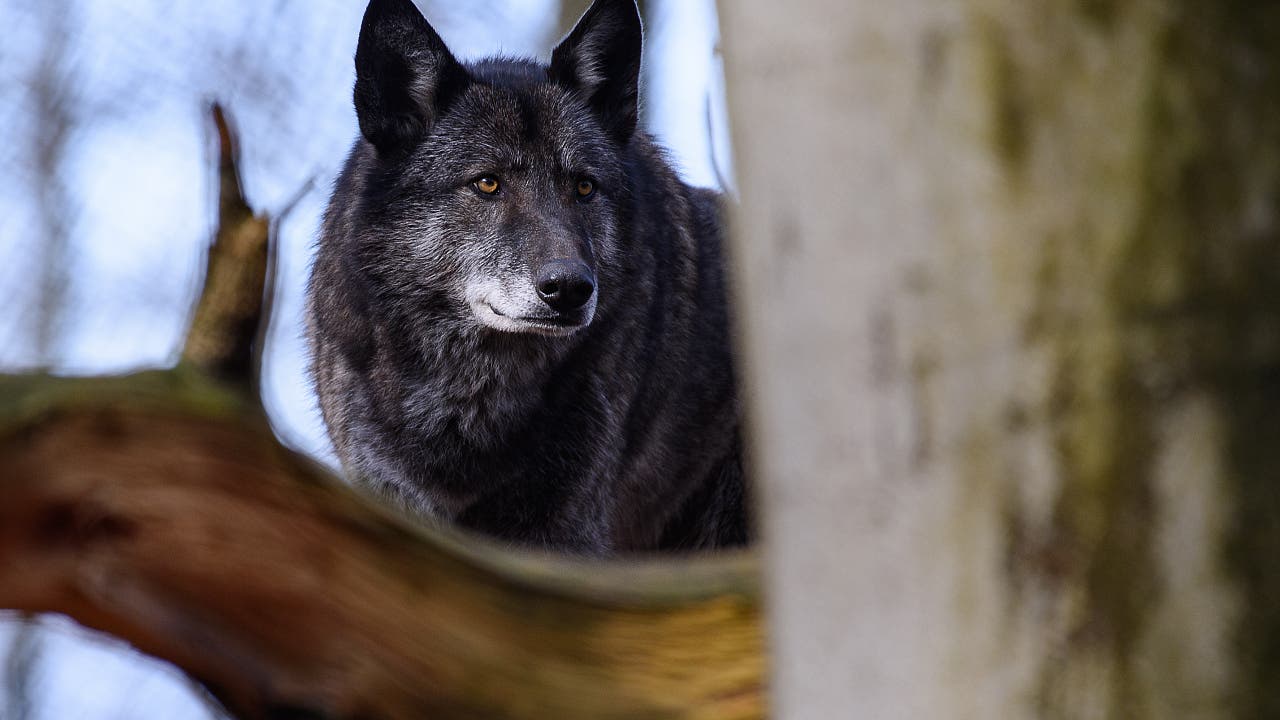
621,436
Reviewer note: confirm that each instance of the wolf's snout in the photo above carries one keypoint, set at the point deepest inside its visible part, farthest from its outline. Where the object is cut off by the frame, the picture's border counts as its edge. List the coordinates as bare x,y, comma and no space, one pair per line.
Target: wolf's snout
565,285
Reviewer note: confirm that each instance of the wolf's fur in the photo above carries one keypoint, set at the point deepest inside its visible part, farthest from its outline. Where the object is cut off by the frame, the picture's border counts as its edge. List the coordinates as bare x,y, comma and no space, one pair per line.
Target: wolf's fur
446,382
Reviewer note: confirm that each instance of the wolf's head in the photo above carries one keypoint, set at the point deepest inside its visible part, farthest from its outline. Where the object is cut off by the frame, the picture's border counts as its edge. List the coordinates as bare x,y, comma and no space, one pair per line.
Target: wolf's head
493,193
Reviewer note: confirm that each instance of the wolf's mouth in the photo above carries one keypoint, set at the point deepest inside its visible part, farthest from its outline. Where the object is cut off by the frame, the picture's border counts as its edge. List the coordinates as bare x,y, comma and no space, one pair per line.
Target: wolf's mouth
558,321
544,325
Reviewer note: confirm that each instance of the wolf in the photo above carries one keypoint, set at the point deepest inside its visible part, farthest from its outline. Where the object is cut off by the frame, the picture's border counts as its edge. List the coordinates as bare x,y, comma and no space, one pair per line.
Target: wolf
517,311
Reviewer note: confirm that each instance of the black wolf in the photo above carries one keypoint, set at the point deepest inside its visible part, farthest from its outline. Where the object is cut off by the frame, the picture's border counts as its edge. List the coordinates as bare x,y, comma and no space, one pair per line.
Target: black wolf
517,312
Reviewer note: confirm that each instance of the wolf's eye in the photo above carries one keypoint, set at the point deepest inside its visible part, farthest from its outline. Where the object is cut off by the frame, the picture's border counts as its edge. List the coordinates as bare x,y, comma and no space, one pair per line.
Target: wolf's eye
487,185
586,188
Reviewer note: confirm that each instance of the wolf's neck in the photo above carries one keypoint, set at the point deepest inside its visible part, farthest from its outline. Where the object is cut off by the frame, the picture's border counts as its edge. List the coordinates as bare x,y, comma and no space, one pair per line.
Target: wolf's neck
479,386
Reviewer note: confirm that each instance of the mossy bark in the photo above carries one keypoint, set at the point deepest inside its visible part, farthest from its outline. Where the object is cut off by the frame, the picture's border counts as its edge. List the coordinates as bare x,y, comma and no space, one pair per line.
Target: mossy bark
1009,277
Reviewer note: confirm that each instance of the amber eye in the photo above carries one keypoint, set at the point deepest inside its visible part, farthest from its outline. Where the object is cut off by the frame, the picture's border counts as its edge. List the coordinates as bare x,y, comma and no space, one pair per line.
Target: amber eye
487,185
586,188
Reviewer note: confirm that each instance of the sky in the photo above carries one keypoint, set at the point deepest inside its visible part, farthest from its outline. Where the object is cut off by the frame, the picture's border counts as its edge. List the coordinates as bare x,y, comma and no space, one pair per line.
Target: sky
134,196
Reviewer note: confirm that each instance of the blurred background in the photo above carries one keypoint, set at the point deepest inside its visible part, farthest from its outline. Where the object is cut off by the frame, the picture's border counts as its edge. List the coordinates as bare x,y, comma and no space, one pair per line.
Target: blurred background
107,204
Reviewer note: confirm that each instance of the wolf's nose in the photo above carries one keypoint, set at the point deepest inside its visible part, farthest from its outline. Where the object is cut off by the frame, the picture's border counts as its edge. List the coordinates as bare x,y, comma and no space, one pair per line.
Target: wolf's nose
565,285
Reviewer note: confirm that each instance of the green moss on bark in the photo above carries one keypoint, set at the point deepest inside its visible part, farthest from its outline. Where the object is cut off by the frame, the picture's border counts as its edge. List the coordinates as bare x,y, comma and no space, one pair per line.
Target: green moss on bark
1211,216
26,397
1009,111
1174,296
1101,13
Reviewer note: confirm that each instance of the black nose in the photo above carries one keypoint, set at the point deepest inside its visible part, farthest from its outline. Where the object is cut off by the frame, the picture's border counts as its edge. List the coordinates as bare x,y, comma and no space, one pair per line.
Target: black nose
565,285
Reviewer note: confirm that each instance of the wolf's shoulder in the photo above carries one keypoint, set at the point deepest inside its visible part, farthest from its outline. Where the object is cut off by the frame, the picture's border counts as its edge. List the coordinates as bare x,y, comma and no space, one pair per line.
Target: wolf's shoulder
709,207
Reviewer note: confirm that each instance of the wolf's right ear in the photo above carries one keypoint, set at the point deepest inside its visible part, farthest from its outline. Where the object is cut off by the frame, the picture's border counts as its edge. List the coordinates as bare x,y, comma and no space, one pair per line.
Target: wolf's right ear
405,76
600,58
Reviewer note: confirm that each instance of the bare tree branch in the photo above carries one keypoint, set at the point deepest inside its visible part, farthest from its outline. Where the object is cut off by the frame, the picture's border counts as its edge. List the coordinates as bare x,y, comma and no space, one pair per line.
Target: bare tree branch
224,331
158,508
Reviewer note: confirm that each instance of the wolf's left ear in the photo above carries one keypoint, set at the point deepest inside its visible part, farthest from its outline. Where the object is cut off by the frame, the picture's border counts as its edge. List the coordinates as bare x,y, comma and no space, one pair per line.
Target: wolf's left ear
601,59
405,76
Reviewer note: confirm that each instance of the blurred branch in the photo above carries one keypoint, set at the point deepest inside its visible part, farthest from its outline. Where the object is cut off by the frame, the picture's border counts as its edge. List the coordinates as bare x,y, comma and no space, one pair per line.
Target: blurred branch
292,203
224,331
51,137
722,178
159,508
19,669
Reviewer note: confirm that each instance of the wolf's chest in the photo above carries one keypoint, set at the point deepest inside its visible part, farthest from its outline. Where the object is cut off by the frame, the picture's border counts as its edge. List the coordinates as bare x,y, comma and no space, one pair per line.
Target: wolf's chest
473,397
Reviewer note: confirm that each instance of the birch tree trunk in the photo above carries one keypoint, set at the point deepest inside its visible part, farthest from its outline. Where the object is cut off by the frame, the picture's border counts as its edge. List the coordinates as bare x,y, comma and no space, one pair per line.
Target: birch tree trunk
1009,282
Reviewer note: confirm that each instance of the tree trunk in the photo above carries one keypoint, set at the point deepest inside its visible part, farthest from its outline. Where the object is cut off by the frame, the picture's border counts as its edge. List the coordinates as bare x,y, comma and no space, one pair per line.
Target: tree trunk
1009,283
570,11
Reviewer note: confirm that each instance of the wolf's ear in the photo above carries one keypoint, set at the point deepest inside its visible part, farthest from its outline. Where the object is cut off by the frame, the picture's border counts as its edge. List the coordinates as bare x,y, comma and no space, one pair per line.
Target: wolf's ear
600,58
405,76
